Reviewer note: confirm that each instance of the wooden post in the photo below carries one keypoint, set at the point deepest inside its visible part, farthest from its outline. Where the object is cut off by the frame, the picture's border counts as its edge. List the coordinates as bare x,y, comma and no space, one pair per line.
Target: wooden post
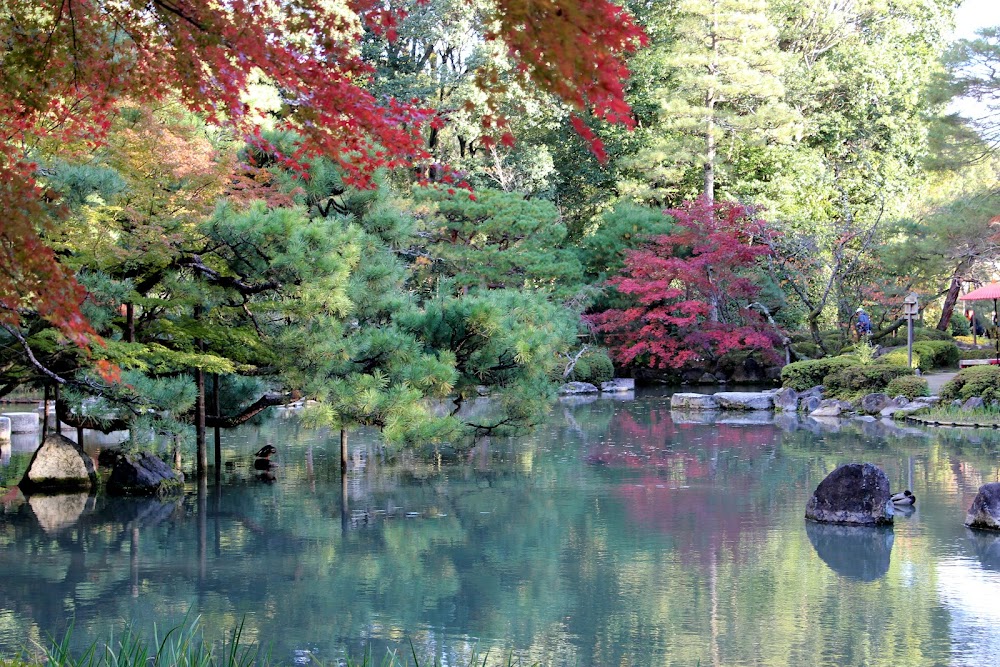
58,423
79,435
199,424
218,431
45,412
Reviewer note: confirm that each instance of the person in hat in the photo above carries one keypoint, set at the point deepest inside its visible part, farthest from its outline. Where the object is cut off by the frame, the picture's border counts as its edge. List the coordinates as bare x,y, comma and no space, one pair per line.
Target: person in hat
864,324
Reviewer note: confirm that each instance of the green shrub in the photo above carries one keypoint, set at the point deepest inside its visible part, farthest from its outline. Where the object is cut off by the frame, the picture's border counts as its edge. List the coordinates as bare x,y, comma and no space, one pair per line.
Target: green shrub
989,353
802,375
919,333
910,386
593,366
982,381
853,380
941,353
807,349
899,358
959,325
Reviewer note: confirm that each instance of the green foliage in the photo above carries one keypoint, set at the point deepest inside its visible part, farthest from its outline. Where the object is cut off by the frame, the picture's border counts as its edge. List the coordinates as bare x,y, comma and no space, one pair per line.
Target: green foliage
853,380
942,354
900,358
626,226
593,366
982,381
802,375
910,386
498,240
919,334
959,325
988,353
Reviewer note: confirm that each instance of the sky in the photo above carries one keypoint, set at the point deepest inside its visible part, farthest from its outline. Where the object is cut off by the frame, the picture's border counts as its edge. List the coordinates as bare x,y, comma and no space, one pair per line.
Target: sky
975,14
970,16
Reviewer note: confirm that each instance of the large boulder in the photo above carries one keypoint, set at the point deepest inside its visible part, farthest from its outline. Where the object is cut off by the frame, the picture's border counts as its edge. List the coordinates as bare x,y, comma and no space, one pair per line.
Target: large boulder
618,385
745,400
872,404
689,401
830,408
985,510
786,399
23,422
142,475
574,388
855,494
808,404
973,403
5,429
59,466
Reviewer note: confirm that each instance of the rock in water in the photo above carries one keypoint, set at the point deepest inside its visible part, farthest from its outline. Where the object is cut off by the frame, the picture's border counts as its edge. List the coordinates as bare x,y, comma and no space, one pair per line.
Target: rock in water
786,399
142,475
985,510
856,494
573,388
688,401
872,404
59,466
745,400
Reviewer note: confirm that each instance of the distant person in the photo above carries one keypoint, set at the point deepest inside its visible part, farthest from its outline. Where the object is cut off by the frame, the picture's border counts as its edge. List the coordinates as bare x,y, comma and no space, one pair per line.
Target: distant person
864,324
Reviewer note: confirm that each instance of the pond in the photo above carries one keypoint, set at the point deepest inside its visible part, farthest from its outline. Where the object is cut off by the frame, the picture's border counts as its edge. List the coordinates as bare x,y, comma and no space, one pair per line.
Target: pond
619,533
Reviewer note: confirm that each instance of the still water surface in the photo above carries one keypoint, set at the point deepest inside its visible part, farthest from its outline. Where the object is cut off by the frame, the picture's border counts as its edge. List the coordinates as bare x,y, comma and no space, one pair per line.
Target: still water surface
619,533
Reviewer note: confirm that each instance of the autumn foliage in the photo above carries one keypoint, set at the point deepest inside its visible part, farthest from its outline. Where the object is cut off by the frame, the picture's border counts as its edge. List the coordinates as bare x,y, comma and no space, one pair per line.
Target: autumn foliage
68,64
690,290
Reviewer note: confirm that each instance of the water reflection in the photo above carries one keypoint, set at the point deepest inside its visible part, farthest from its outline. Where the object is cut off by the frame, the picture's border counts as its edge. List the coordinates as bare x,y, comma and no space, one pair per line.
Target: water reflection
986,546
855,552
620,533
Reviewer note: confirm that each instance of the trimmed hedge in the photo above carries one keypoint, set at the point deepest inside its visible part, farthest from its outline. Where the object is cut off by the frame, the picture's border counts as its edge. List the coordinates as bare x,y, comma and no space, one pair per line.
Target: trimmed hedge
593,366
942,354
910,386
802,375
868,379
959,325
989,353
919,333
898,358
982,381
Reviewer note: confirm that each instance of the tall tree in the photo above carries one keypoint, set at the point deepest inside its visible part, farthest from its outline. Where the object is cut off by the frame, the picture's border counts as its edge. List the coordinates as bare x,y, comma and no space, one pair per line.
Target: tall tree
716,69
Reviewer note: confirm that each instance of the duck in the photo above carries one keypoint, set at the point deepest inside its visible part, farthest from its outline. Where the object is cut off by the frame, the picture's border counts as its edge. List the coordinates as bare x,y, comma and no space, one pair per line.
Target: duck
263,457
266,452
904,498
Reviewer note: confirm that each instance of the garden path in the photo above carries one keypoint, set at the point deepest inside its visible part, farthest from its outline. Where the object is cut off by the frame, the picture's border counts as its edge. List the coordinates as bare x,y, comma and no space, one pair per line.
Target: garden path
936,380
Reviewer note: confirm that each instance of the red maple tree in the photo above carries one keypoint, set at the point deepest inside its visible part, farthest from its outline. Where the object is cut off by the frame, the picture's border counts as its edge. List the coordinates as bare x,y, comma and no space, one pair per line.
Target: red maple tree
69,64
690,290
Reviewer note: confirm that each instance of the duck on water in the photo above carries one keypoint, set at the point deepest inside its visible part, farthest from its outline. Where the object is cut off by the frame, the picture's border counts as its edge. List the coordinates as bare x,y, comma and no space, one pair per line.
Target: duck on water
904,498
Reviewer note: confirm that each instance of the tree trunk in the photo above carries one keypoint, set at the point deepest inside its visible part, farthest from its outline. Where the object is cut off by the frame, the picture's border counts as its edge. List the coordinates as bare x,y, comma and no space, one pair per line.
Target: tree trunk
199,424
951,298
129,323
218,431
343,451
709,185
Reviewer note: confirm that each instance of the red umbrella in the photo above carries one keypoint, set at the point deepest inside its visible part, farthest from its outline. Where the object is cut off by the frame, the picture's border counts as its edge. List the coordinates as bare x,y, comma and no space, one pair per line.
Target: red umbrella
984,293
